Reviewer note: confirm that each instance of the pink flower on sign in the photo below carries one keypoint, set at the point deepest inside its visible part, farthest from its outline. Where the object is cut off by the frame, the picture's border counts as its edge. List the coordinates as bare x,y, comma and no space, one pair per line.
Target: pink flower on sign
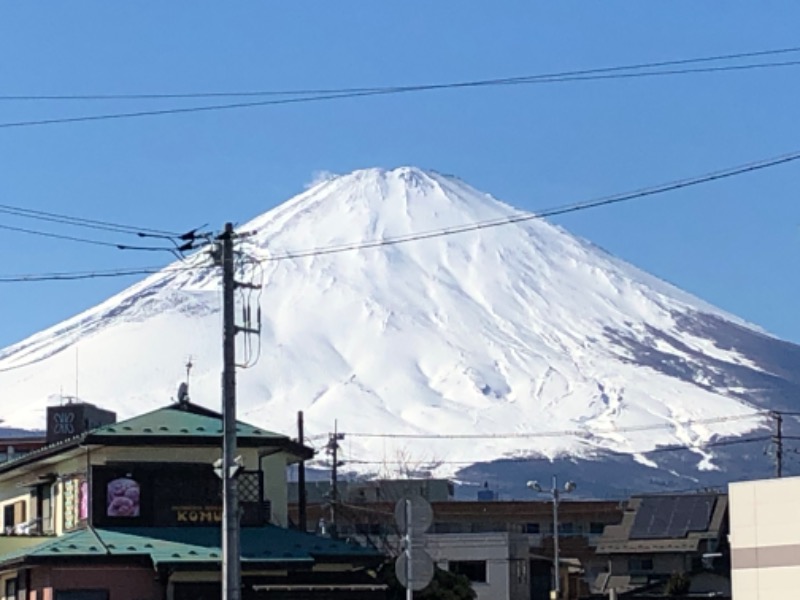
122,498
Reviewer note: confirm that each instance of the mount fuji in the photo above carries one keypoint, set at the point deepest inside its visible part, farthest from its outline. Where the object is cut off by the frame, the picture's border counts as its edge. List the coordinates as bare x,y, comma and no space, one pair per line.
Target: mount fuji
492,354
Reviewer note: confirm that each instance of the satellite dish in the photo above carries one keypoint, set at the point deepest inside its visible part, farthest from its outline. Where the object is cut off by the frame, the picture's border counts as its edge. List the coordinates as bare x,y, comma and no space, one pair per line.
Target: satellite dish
421,514
421,570
183,392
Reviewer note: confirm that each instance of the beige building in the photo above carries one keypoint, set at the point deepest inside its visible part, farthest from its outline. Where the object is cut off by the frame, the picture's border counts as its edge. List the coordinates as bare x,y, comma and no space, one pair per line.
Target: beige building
765,539
132,510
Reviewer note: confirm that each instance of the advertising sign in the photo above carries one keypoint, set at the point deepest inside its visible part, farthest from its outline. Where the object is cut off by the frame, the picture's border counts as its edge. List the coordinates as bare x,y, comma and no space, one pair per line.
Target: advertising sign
167,495
76,502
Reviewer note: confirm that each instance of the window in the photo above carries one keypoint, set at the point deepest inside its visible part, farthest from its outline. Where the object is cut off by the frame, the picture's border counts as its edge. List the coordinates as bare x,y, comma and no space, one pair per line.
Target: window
639,565
474,570
532,528
567,528
596,528
11,589
14,514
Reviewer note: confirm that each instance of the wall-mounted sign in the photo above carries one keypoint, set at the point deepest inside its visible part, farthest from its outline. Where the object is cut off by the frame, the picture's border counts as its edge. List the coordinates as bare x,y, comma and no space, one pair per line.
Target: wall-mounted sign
186,515
168,495
76,502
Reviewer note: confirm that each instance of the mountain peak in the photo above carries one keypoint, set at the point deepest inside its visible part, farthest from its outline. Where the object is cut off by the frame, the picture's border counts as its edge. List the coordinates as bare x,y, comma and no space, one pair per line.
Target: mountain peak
522,329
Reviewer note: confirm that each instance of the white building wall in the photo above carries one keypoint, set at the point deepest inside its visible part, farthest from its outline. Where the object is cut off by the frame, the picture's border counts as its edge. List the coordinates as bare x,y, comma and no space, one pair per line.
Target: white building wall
505,554
765,539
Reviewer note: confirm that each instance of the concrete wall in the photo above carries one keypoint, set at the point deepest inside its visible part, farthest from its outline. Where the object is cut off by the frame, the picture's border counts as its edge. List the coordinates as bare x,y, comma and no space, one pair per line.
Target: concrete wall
506,556
765,539
132,583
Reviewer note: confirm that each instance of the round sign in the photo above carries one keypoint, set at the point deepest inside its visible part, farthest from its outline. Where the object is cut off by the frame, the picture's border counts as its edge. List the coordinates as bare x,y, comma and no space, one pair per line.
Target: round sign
421,570
418,509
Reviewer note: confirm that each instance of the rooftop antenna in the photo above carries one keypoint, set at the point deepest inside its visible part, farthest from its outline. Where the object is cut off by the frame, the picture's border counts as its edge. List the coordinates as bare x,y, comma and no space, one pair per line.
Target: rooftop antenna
183,388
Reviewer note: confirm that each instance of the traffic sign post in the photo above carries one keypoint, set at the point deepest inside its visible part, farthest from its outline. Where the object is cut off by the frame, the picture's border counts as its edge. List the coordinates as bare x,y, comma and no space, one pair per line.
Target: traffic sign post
414,567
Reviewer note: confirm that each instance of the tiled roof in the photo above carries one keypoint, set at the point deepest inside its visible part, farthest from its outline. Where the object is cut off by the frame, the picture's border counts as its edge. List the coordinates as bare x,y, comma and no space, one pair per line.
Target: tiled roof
176,424
174,421
188,545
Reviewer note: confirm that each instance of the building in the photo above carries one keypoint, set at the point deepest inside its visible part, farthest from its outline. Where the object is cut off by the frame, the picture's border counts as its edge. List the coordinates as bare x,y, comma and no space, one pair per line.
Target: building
16,446
495,563
765,539
132,510
663,537
461,530
376,490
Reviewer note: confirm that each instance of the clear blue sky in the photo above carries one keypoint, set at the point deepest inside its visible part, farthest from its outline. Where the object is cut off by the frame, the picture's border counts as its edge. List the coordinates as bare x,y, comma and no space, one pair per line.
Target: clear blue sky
733,243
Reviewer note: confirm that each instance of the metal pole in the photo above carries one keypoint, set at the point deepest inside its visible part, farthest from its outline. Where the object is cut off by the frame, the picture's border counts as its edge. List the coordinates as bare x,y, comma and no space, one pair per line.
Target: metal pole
556,566
409,568
778,439
231,547
301,478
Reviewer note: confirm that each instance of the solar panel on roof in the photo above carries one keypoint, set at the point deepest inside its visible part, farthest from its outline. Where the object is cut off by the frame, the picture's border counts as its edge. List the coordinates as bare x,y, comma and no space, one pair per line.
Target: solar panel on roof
672,517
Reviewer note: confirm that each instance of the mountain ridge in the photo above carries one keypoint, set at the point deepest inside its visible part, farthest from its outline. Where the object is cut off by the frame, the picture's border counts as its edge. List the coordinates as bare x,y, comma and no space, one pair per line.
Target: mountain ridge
521,329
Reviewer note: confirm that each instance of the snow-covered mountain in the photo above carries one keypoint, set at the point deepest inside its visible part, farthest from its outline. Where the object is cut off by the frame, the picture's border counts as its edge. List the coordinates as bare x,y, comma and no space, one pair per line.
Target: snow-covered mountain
519,329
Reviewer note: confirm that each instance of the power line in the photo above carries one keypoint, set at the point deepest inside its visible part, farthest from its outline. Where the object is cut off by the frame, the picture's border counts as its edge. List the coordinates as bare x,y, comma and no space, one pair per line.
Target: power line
562,433
519,218
84,222
101,274
418,87
556,211
382,92
346,90
82,240
673,448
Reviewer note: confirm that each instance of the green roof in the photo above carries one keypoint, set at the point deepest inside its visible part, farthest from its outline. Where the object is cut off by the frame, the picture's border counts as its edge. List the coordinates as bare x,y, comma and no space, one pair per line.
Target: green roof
179,420
194,545
180,424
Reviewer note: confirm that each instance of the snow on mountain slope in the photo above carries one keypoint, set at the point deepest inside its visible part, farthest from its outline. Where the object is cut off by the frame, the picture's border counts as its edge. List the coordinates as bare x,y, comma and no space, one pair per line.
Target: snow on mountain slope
520,329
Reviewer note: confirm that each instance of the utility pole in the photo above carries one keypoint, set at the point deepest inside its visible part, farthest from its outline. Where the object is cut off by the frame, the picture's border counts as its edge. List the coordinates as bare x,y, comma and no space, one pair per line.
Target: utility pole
409,550
231,545
333,450
777,439
556,554
301,478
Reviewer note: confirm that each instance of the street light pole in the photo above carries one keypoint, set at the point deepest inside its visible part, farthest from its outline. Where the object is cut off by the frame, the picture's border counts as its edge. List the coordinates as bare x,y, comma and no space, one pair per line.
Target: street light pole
556,557
556,494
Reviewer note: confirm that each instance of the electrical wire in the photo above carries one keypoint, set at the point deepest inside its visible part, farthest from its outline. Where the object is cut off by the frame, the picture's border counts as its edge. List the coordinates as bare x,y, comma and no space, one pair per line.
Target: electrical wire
82,240
551,212
518,218
528,80
83,222
102,274
346,90
425,465
562,433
